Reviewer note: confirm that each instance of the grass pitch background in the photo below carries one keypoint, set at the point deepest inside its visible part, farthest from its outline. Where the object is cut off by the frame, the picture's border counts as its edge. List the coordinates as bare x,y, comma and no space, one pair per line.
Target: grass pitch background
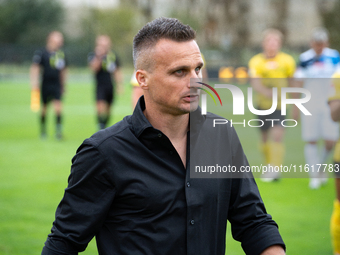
33,172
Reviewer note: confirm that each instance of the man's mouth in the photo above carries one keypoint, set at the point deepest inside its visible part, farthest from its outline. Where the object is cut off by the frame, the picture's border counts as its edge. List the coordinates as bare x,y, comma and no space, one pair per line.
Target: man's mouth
191,97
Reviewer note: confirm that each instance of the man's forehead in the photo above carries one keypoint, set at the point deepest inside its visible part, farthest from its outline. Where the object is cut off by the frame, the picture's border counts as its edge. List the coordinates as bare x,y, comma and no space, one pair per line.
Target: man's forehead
55,38
319,43
271,37
167,44
172,51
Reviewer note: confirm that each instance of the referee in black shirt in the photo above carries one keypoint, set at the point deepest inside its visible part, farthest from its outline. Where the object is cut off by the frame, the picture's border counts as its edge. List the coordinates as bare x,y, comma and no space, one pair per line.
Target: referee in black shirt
53,64
106,66
130,184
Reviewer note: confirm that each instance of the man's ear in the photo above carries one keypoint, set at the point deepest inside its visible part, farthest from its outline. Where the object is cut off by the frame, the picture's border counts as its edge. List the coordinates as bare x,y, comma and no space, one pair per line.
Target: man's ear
142,78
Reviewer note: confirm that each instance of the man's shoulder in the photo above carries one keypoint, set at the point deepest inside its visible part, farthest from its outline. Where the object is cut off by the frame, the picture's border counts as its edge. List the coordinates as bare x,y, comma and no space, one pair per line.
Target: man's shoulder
285,56
332,53
307,55
45,52
256,65
118,131
39,51
257,58
286,60
38,55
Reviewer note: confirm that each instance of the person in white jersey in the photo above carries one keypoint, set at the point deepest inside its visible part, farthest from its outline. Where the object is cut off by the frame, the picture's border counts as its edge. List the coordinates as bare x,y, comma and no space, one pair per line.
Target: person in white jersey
314,72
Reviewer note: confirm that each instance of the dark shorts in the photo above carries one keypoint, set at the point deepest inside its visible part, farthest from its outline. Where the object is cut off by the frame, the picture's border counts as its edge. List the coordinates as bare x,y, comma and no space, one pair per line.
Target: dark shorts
105,93
50,92
276,115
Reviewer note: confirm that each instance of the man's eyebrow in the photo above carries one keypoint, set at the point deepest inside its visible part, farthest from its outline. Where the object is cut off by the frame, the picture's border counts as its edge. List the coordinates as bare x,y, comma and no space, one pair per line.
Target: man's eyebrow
200,64
178,68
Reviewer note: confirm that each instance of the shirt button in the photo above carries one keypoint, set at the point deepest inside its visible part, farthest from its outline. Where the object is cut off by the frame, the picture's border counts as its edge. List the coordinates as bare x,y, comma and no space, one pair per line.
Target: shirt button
188,184
159,135
192,222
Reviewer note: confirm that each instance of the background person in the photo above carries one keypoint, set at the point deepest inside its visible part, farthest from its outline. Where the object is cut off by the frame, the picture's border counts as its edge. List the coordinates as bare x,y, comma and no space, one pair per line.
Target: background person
314,72
334,103
106,66
148,203
267,70
53,64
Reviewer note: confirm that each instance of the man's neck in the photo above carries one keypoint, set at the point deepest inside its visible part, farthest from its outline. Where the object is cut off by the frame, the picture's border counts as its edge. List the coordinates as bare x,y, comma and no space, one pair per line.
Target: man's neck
318,53
51,48
270,54
174,127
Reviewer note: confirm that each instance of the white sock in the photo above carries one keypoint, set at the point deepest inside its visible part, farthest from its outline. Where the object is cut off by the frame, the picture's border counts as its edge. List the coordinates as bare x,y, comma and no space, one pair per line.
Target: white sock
324,155
312,158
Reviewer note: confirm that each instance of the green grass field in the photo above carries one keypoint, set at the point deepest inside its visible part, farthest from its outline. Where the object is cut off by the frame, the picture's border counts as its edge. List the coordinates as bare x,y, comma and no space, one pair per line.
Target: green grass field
33,172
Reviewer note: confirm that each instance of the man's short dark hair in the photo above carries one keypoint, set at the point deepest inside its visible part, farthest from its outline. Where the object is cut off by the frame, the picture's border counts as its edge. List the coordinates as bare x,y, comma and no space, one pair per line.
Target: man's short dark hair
152,32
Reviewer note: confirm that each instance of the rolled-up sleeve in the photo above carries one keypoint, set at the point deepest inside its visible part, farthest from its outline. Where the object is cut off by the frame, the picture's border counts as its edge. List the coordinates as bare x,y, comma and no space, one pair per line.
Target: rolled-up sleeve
86,202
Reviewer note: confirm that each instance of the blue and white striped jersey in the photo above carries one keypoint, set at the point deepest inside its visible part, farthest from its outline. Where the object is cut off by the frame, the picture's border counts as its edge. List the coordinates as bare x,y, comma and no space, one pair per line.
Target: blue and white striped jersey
318,66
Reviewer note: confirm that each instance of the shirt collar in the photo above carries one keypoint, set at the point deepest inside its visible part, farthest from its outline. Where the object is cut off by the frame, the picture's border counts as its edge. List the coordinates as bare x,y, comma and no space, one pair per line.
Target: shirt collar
141,123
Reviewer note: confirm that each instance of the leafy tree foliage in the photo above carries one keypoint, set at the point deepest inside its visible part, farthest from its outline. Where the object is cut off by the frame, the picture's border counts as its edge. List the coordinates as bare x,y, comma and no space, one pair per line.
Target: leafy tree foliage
28,21
331,20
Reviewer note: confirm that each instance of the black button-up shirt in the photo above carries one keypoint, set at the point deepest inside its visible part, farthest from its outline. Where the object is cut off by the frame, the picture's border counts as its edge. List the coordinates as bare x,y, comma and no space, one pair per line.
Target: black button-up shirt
129,188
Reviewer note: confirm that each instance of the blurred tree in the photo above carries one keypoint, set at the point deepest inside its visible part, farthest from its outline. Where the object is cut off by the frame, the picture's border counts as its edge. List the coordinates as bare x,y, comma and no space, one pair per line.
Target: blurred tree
281,15
117,23
191,20
236,14
28,21
146,9
329,12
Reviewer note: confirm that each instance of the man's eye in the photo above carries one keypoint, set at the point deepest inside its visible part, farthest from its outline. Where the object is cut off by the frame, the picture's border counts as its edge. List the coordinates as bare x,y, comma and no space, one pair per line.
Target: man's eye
198,69
179,72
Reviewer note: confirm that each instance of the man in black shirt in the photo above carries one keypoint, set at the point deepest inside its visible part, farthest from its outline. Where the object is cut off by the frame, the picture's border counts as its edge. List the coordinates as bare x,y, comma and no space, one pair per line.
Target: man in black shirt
105,63
52,61
130,184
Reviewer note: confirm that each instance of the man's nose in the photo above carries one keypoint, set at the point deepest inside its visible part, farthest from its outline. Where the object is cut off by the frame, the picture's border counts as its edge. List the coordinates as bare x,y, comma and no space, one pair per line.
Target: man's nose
194,78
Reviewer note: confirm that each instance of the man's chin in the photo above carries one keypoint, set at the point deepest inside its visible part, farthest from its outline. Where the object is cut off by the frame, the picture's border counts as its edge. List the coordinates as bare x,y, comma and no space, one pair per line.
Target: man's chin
193,106
187,108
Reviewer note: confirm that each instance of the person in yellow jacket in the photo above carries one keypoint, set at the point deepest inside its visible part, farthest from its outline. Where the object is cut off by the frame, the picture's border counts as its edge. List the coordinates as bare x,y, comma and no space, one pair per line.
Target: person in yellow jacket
267,70
334,103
